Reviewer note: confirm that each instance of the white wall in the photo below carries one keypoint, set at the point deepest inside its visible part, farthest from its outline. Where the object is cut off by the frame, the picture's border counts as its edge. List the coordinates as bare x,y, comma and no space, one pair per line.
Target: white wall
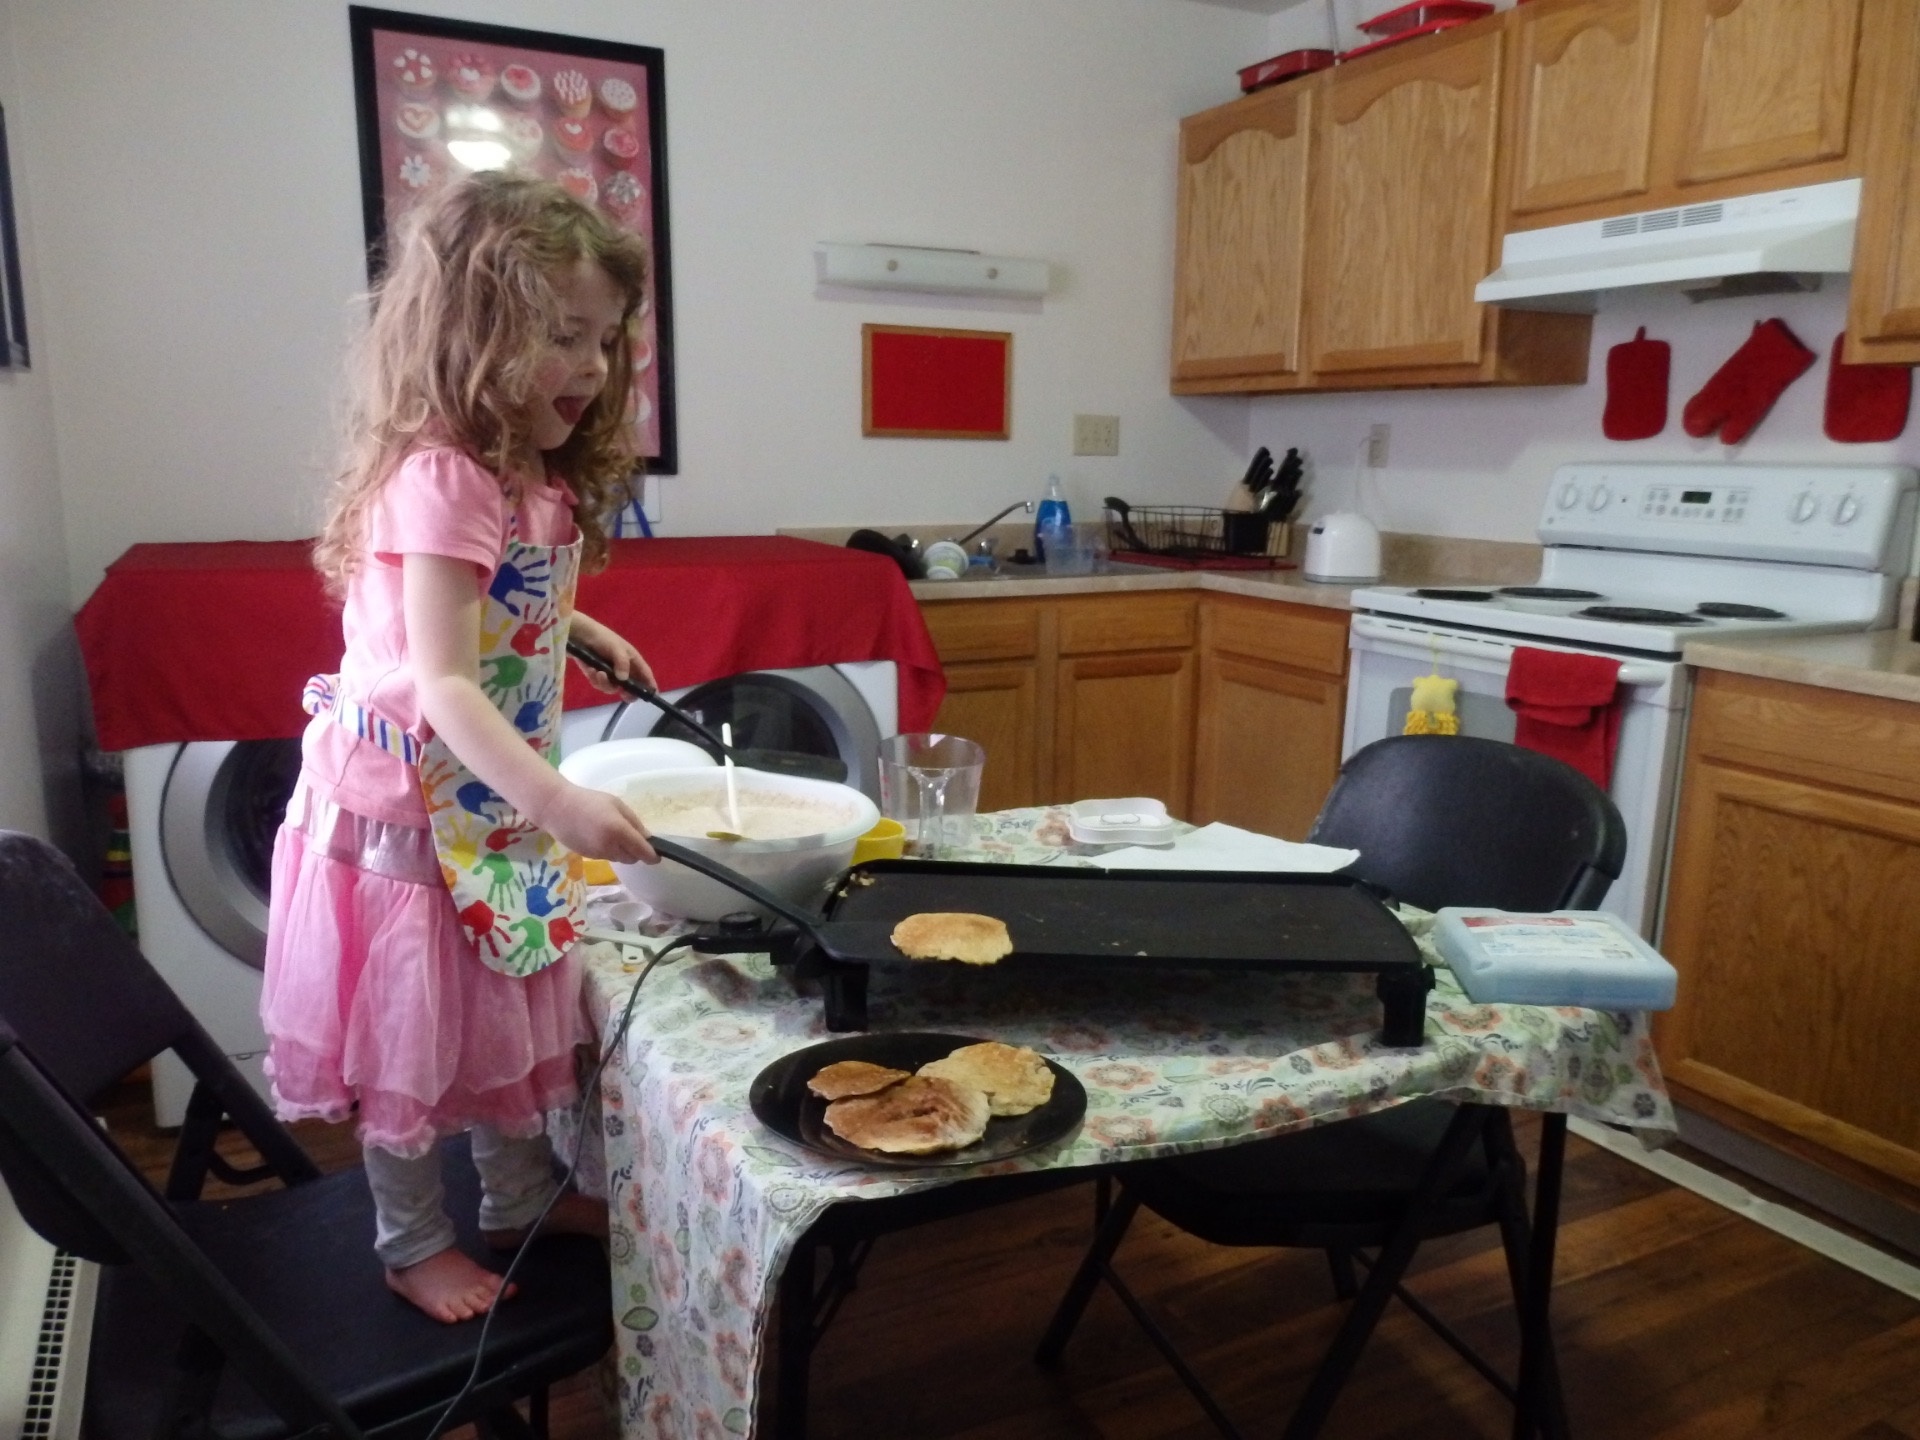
39,694
200,240
1476,462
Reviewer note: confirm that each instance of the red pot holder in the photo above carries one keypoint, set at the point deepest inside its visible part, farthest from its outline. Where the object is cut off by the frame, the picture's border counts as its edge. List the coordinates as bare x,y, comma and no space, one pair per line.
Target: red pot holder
1866,403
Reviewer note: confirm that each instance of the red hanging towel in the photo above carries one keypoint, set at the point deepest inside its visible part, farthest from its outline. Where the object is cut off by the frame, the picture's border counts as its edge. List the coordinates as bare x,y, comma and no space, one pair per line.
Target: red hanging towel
1564,707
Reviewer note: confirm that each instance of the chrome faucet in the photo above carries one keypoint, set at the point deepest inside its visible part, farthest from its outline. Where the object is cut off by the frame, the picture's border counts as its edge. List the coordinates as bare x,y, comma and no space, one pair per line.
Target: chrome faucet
1022,505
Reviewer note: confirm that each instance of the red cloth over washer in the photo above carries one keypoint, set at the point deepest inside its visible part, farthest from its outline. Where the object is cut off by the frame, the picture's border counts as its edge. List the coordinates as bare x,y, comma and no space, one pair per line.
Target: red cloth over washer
214,641
1564,706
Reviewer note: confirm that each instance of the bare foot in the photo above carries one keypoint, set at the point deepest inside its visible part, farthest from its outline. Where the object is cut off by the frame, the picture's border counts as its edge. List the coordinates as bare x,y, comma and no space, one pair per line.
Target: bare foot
448,1286
572,1214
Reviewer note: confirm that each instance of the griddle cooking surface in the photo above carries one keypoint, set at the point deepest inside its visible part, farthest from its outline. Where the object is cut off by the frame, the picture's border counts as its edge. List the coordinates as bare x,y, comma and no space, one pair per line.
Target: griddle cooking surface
1234,919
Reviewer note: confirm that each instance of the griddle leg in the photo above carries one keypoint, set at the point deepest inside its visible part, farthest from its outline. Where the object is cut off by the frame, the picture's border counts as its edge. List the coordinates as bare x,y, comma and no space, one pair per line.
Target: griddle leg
1403,998
846,995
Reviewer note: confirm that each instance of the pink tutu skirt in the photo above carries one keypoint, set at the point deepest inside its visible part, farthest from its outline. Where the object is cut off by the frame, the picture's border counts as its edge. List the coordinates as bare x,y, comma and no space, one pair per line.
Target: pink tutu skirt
375,996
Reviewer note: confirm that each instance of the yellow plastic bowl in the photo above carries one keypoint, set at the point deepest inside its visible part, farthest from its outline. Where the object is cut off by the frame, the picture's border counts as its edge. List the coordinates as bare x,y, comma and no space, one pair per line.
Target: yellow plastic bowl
885,841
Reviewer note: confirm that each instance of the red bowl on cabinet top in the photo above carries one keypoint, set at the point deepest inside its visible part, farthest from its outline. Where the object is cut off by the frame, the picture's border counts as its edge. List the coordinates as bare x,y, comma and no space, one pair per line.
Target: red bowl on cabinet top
1284,67
1421,15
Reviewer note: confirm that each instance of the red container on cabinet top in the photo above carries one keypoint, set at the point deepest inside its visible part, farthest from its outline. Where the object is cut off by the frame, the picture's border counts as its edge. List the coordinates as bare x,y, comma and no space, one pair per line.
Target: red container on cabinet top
1423,13
1284,67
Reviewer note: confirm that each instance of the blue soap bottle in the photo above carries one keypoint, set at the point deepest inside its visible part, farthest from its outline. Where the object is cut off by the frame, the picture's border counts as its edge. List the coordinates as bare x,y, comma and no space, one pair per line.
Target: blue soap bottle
1052,520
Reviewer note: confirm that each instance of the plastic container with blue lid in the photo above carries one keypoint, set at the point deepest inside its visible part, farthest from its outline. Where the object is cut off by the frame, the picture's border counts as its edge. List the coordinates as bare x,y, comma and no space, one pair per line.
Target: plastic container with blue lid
1563,957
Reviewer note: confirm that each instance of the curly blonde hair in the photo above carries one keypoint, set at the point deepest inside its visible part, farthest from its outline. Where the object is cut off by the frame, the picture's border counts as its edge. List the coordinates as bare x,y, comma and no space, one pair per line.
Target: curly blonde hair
461,322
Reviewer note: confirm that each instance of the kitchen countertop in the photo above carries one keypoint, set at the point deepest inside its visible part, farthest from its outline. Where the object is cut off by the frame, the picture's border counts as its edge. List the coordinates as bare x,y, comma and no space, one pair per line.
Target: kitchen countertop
1879,662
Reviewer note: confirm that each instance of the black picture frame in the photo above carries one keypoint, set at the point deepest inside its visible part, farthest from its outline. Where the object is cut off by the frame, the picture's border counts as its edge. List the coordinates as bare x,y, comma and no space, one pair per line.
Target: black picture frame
13,323
394,158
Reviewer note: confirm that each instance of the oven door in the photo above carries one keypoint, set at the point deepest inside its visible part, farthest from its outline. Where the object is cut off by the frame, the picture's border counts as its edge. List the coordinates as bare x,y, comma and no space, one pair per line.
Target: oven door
1389,653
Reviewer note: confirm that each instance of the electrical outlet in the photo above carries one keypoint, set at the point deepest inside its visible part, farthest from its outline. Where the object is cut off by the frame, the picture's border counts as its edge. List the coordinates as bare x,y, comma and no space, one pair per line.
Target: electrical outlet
1377,446
1096,434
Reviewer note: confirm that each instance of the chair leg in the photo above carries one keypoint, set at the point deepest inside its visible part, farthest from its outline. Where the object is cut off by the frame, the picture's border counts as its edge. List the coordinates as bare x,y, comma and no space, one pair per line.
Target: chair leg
1073,1304
1542,1407
1340,1261
1462,1132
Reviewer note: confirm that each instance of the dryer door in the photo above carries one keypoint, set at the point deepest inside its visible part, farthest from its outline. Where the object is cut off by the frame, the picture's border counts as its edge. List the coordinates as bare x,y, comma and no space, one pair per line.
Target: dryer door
221,809
815,710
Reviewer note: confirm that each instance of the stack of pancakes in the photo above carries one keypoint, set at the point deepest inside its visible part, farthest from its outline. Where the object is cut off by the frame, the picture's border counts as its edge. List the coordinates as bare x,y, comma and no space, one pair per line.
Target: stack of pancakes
945,1106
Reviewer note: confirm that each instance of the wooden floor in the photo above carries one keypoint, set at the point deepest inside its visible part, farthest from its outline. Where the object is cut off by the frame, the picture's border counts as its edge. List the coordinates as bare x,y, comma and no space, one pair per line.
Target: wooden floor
1674,1318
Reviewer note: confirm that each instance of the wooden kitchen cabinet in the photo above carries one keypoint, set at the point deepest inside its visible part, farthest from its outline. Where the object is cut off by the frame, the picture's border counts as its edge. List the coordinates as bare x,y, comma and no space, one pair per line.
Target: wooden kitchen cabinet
1074,698
1272,705
1619,106
1791,919
1398,224
1883,316
1580,98
1123,698
1240,237
997,655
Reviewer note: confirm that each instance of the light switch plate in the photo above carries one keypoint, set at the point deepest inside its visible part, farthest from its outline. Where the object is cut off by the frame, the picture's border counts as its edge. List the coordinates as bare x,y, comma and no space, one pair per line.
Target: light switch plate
1096,434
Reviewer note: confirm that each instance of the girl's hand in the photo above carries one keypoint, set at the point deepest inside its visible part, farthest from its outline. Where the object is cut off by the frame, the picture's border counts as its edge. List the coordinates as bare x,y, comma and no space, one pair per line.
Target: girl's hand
597,825
616,650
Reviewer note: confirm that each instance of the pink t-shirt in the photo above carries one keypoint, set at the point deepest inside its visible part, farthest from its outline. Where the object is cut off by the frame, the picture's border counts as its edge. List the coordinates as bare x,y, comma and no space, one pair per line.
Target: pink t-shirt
438,502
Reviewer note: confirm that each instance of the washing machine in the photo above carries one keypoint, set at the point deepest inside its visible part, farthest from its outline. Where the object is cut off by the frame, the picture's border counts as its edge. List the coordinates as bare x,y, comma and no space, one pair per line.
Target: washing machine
202,816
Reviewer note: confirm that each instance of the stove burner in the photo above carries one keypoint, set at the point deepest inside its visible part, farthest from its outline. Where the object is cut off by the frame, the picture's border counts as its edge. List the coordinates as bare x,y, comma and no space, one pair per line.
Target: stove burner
1454,594
1729,610
1548,592
1638,615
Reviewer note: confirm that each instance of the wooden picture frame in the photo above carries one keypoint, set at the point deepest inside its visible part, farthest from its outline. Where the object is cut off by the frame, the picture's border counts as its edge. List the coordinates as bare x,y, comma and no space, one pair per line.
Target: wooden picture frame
433,94
13,312
932,384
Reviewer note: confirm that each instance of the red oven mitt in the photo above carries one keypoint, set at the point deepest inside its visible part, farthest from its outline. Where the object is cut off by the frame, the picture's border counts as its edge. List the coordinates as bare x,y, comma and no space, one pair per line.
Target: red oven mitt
1637,371
1564,706
1866,402
1743,390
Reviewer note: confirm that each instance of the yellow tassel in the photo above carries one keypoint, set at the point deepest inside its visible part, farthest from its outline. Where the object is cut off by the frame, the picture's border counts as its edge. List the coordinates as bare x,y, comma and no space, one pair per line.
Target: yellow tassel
1433,711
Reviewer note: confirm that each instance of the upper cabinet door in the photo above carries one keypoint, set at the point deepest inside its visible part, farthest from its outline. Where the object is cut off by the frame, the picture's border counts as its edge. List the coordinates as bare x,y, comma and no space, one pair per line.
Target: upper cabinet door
1582,102
1883,319
1241,232
1405,150
1754,86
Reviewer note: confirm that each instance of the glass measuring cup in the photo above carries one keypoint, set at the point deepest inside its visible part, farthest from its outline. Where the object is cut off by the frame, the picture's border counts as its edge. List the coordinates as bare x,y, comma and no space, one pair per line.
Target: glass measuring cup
931,784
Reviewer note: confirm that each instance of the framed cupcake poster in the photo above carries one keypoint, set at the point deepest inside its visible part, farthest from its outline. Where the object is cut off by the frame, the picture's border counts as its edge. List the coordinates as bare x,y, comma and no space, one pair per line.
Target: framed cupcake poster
438,97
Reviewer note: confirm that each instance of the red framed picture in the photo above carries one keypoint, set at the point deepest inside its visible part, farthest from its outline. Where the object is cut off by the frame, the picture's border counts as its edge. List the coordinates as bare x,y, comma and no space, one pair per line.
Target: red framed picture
435,97
936,384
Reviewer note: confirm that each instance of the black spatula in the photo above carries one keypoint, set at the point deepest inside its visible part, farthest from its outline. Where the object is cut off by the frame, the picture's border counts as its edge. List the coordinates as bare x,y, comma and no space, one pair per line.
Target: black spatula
774,762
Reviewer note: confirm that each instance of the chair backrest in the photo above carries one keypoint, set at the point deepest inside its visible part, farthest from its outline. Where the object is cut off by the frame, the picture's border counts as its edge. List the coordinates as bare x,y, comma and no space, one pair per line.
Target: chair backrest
78,991
1453,820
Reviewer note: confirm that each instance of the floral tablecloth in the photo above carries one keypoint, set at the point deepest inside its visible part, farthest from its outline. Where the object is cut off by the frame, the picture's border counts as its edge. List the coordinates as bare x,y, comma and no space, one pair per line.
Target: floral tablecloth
707,1205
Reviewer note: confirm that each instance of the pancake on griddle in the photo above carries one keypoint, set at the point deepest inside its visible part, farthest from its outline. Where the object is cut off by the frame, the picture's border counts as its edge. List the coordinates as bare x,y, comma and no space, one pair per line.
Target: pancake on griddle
920,1115
846,1078
1014,1078
952,935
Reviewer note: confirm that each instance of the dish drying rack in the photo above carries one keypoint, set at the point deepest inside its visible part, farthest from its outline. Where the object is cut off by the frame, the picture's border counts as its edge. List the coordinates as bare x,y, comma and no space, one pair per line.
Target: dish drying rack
1195,532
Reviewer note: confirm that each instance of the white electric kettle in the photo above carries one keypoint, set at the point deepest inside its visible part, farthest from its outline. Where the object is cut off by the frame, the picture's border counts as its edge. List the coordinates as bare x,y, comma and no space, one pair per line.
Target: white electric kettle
1343,548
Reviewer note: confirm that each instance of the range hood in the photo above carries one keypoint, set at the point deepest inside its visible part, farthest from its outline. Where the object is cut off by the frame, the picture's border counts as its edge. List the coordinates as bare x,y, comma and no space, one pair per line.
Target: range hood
1803,231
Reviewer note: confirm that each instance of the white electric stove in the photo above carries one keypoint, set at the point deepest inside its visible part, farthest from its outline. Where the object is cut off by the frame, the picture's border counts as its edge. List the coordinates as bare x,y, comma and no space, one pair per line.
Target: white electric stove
1638,560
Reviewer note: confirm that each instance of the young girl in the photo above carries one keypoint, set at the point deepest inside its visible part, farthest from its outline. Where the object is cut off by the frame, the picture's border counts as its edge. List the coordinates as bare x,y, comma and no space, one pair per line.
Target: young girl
427,881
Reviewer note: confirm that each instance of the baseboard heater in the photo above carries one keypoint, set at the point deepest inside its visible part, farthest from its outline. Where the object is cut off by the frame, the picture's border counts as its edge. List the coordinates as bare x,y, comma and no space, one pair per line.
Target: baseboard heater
46,1325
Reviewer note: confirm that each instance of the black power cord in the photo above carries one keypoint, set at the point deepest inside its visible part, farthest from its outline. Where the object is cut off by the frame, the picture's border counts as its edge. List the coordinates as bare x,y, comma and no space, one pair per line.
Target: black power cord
587,1098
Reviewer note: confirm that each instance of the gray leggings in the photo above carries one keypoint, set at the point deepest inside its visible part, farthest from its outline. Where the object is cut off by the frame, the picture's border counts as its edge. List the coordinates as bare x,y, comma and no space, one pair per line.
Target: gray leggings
409,1198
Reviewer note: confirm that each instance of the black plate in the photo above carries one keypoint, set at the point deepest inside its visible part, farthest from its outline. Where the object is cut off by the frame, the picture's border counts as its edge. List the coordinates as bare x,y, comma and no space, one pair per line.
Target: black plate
782,1102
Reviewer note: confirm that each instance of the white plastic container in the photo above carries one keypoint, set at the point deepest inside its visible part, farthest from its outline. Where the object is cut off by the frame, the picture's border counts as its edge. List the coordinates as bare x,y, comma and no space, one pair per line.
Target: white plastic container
796,869
1563,957
1132,820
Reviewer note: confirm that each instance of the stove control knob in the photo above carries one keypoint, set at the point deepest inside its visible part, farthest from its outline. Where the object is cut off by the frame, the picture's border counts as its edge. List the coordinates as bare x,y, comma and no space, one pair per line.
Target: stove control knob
1598,500
1845,512
1805,506
1569,495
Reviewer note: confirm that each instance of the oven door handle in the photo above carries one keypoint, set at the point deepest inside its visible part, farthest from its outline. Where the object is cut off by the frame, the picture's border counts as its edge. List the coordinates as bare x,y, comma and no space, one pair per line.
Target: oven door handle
1368,627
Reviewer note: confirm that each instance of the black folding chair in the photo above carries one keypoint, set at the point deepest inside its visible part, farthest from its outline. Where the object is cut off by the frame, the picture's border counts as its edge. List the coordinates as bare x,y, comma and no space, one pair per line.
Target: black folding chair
253,1318
1438,820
